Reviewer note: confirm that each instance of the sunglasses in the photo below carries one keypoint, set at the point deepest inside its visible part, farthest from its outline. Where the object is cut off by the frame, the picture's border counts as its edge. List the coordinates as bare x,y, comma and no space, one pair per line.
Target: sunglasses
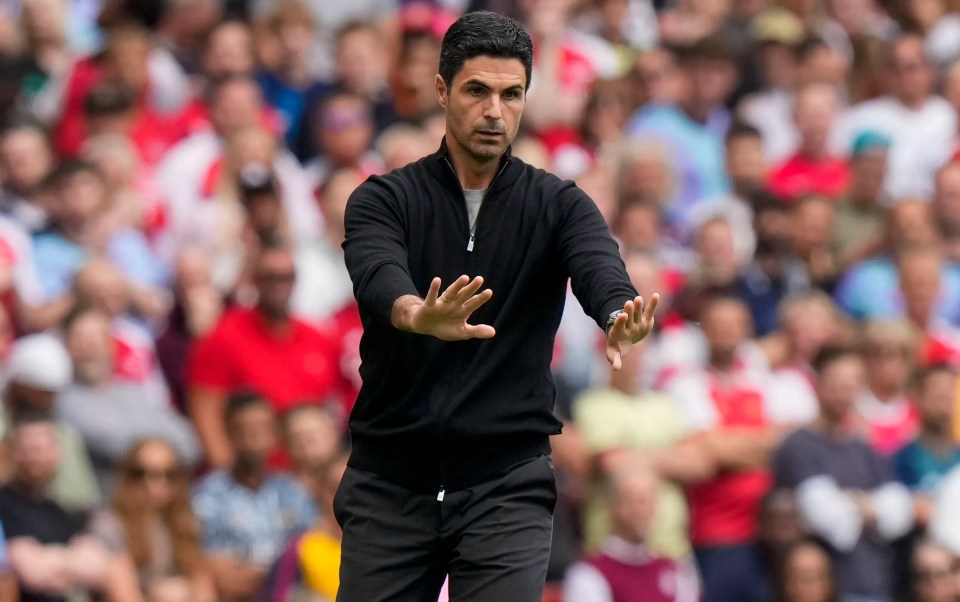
139,473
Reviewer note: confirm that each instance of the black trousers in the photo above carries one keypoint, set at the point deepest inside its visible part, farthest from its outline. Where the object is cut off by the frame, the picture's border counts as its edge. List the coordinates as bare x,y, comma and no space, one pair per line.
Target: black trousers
493,539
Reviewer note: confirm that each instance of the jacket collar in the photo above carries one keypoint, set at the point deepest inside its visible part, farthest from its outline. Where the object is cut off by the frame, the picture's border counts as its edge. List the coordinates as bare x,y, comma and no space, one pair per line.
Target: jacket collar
440,166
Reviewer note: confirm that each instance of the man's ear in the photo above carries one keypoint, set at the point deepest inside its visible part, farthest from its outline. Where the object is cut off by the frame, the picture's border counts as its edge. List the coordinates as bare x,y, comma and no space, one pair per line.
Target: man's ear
441,90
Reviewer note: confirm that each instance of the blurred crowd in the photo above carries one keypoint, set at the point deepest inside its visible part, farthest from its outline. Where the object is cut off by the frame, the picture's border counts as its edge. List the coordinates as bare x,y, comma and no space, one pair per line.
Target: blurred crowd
180,345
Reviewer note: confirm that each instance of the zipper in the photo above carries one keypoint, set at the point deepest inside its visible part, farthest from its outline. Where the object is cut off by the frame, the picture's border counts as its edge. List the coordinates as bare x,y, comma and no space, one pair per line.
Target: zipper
440,494
471,240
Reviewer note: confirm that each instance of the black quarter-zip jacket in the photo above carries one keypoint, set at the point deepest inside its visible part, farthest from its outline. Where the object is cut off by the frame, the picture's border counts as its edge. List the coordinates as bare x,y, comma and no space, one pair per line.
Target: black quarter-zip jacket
435,415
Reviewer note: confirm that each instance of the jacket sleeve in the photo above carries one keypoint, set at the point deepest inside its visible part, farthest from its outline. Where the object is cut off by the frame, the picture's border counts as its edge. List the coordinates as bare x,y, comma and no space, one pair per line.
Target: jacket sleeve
591,257
375,249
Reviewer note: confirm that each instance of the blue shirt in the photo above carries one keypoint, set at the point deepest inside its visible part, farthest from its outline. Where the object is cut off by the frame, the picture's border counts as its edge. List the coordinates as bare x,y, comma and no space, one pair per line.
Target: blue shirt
695,151
58,260
871,290
252,526
292,102
922,470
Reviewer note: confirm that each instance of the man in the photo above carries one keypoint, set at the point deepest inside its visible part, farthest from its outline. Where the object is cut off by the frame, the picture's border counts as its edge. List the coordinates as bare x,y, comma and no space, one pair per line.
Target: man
861,217
625,570
26,157
846,492
812,169
247,514
693,129
111,414
49,553
37,370
946,209
262,348
730,411
923,463
920,124
449,471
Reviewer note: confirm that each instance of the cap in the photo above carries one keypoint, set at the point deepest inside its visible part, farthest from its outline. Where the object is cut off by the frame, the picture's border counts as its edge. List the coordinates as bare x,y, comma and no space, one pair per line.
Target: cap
778,25
40,361
869,140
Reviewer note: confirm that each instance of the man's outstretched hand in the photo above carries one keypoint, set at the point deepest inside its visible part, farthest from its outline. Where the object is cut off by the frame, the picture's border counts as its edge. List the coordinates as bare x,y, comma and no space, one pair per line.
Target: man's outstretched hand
632,326
444,315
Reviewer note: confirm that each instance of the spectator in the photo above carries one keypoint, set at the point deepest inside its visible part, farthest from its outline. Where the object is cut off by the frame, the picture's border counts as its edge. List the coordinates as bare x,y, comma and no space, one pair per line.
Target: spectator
151,520
246,513
727,406
313,436
933,575
196,309
291,88
38,369
920,124
309,566
624,568
194,169
884,416
811,170
111,415
806,575
49,552
861,218
811,233
344,133
923,463
78,233
26,159
874,288
694,128
263,348
361,63
627,423
846,492
946,209
100,285
748,174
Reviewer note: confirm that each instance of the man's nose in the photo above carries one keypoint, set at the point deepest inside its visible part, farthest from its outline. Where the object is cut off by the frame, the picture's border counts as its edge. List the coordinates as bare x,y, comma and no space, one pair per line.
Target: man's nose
492,109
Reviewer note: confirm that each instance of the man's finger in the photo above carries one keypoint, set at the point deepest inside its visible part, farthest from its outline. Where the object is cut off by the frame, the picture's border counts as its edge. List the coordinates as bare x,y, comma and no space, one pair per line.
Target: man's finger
451,291
480,331
652,306
637,310
433,292
474,302
469,290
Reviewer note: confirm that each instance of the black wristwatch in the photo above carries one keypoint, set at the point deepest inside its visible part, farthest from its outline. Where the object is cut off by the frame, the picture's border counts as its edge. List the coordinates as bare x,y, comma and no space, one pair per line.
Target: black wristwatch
611,320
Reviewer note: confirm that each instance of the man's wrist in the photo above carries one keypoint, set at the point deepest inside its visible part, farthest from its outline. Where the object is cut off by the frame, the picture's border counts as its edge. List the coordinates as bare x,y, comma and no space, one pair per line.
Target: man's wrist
402,315
611,320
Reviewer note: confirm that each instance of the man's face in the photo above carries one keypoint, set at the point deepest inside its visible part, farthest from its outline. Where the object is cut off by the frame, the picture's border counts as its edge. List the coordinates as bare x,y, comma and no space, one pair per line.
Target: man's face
634,506
483,105
867,173
920,284
237,105
80,199
253,433
35,454
946,203
91,348
746,163
346,130
25,159
938,394
275,277
838,386
911,77
726,325
230,52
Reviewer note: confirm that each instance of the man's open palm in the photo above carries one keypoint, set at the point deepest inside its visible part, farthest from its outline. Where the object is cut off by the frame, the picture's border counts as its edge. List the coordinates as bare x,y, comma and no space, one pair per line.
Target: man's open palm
444,315
630,327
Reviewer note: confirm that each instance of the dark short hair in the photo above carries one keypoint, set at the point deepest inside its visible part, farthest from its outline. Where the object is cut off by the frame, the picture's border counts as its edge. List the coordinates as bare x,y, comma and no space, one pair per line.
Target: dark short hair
741,129
67,170
19,121
484,33
108,99
831,354
28,417
242,400
808,46
715,47
932,370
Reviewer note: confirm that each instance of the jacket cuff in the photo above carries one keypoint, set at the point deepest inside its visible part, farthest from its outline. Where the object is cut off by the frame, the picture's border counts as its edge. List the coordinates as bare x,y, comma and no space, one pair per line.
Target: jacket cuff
387,284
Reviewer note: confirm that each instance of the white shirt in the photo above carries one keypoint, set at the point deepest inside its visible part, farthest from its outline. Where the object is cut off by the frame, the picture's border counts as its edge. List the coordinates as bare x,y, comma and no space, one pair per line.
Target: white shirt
921,141
323,284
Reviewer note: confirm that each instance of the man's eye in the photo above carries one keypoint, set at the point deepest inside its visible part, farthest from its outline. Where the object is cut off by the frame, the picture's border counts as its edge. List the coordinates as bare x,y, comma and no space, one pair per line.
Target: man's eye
475,91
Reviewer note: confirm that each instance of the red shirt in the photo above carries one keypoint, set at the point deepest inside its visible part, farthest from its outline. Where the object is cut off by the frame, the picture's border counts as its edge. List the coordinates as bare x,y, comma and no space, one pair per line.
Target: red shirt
287,368
799,176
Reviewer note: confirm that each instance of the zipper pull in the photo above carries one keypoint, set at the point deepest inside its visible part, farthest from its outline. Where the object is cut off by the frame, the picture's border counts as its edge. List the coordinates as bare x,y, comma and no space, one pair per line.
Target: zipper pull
470,247
440,494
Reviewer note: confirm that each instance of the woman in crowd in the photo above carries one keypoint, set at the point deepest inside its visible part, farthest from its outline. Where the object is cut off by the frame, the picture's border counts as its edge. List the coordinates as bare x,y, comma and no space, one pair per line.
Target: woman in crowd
151,518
